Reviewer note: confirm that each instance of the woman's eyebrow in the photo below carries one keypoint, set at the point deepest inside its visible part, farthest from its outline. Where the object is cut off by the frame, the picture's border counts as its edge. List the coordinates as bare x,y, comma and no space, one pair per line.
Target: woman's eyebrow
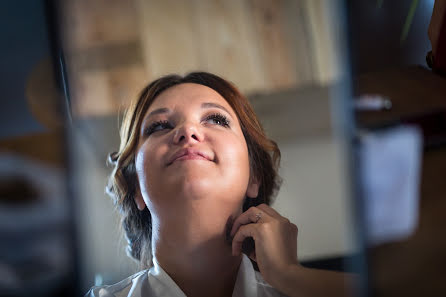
157,111
211,105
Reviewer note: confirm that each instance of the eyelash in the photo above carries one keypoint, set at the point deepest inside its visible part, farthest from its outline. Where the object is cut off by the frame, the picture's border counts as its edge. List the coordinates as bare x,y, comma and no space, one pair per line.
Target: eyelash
223,121
153,127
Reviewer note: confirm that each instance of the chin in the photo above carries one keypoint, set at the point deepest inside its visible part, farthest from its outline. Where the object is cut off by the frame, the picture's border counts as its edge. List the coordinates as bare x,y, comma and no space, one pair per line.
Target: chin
207,189
198,189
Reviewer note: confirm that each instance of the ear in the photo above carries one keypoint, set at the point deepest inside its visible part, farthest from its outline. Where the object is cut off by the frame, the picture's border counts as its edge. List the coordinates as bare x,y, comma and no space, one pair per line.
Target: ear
138,199
253,187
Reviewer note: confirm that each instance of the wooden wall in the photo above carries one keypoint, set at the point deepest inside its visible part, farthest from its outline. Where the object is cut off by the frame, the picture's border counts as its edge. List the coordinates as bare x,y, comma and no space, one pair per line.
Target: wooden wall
114,47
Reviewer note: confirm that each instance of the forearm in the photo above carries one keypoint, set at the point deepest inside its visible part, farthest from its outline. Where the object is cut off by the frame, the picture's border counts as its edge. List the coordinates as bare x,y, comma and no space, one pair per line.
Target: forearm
306,282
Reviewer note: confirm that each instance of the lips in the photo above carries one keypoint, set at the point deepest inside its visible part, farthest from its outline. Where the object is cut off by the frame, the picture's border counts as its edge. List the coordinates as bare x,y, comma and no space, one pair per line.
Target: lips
189,154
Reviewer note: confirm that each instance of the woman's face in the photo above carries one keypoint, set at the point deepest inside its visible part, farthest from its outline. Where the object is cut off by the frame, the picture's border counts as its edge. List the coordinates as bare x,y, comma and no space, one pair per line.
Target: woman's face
191,148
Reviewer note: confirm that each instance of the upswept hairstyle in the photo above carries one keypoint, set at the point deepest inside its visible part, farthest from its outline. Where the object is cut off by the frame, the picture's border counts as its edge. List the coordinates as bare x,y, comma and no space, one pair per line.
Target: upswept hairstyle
264,157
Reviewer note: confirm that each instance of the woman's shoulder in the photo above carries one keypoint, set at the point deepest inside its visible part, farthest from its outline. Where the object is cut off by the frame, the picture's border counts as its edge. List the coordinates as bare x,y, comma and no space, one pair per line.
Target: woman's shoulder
120,289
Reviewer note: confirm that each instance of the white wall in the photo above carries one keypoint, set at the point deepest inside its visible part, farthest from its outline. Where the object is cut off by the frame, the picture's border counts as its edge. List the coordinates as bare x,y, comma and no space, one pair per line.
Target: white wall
315,190
314,197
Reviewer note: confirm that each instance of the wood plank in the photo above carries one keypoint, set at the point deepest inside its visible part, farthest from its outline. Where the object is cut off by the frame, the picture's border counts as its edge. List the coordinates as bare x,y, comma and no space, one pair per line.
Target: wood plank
260,45
88,24
296,31
103,93
108,56
168,36
268,17
324,39
228,44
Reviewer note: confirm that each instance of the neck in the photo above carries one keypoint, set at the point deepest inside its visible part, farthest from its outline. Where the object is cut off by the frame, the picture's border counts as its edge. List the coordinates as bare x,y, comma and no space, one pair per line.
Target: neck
195,252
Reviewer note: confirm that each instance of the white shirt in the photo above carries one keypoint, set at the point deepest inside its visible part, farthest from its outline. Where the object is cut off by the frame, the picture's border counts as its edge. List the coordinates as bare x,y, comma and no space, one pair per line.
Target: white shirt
156,282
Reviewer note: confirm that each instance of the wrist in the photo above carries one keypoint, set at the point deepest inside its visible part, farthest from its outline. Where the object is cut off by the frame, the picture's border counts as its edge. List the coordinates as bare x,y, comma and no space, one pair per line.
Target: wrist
287,281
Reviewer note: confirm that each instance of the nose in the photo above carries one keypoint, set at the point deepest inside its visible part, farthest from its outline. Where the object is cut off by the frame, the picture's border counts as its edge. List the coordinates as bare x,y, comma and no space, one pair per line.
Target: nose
187,132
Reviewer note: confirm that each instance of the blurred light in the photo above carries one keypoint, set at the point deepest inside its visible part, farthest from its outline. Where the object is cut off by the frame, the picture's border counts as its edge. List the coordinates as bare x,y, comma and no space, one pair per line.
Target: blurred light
98,279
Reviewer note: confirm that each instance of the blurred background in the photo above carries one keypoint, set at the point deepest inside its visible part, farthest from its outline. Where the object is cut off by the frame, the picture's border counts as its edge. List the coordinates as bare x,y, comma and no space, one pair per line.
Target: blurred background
70,68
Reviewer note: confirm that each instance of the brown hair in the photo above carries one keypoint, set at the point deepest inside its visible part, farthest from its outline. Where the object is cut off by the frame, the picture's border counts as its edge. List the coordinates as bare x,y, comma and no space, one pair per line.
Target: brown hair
264,156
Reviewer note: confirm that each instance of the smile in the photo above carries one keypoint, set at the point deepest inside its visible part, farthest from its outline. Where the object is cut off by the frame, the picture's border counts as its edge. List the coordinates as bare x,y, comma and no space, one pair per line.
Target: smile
189,154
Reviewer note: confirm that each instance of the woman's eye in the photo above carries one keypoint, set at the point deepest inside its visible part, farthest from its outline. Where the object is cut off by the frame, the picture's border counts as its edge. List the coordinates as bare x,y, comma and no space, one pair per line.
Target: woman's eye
217,119
157,126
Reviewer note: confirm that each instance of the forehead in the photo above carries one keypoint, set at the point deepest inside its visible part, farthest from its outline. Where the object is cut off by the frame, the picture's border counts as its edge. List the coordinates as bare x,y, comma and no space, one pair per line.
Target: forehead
188,95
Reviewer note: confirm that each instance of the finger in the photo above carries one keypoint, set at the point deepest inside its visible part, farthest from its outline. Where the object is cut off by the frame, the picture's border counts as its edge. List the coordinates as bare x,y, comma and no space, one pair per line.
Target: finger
243,232
269,210
272,213
249,216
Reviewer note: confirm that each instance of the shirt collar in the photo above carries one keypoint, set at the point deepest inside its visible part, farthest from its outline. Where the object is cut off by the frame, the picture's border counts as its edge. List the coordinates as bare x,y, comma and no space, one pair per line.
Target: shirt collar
164,284
245,284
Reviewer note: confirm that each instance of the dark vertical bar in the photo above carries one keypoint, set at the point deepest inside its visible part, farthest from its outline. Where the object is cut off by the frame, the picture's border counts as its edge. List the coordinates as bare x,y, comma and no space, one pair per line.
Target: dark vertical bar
52,8
359,263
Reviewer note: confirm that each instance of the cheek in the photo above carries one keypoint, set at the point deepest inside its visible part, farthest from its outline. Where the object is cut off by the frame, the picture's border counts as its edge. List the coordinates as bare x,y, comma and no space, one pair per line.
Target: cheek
147,163
149,155
141,159
236,154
